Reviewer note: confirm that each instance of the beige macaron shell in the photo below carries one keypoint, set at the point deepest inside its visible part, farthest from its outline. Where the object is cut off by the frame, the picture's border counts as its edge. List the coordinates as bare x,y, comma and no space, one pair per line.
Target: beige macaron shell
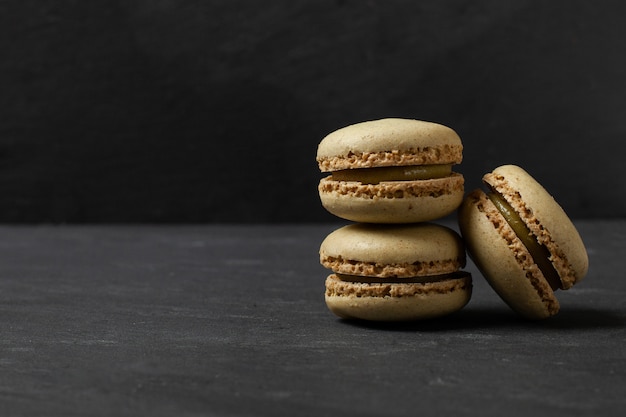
363,144
395,245
394,201
496,260
545,218
427,305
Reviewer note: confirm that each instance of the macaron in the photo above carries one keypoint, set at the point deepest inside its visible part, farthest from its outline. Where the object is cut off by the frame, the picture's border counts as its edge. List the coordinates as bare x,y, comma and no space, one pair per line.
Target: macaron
395,272
391,171
522,241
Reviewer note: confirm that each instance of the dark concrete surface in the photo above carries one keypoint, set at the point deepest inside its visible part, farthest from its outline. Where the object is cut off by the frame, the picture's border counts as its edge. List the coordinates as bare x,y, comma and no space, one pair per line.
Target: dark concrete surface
230,321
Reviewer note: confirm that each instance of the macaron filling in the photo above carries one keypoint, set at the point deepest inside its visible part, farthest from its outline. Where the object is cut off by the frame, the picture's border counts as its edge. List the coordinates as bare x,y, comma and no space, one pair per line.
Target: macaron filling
401,280
393,173
540,254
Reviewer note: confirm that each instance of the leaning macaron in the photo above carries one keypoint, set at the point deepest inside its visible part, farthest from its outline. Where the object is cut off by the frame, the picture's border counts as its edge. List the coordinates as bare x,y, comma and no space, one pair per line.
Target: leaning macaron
522,241
395,272
391,171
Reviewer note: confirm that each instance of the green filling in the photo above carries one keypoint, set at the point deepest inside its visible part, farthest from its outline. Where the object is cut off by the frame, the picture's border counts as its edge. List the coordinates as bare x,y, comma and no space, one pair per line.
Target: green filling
397,280
401,173
539,253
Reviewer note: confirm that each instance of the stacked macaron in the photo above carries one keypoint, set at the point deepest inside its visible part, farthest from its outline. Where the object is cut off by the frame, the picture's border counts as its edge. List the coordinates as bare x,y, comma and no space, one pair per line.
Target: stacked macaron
390,177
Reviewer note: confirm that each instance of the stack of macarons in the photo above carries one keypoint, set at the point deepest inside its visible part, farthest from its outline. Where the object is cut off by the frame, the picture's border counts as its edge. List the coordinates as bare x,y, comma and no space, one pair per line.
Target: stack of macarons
391,179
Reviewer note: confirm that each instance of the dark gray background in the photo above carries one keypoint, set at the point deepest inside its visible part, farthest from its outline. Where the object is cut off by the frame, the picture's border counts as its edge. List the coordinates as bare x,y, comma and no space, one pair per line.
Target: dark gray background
190,111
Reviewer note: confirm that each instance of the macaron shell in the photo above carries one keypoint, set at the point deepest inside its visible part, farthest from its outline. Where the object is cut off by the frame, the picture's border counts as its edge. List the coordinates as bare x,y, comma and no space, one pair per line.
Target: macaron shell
392,202
394,244
436,300
389,142
545,218
504,260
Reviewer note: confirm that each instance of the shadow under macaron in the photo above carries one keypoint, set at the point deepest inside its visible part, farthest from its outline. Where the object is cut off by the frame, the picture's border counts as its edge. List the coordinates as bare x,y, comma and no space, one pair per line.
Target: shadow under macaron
502,318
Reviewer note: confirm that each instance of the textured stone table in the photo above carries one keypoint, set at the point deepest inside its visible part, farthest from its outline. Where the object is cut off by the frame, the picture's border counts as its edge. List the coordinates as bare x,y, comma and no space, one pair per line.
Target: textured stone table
230,321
